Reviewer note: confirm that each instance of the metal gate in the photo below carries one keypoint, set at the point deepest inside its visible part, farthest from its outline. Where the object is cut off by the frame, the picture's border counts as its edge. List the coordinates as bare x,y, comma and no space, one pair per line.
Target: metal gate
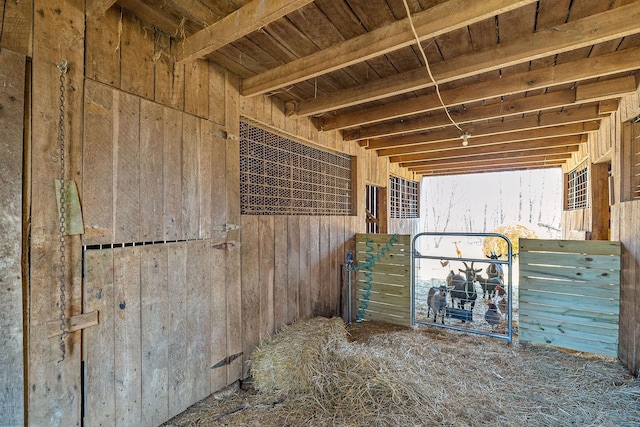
454,283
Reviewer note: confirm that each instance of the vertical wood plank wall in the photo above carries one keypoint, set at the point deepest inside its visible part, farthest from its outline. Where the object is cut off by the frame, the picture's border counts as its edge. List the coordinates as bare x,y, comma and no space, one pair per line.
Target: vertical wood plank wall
145,148
604,147
12,100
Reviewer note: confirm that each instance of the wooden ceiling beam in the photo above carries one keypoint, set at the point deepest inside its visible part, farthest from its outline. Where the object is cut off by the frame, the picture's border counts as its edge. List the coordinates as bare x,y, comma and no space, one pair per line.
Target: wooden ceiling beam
437,20
489,166
609,25
248,18
511,108
490,170
97,8
503,147
588,114
584,69
464,162
502,138
552,153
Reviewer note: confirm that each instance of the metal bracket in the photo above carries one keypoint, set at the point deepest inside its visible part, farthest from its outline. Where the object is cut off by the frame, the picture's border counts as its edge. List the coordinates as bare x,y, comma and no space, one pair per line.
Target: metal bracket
226,360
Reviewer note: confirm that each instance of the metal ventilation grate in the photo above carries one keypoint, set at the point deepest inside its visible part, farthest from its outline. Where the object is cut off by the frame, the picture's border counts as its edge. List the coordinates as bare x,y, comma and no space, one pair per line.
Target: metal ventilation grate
279,176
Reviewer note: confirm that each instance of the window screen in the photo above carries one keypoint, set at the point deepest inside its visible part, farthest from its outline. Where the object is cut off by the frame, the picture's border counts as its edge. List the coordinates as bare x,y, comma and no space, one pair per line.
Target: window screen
403,198
577,186
279,176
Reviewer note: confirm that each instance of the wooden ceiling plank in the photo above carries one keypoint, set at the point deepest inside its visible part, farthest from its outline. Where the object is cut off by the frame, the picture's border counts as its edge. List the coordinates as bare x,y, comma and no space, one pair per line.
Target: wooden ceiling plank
610,25
625,60
440,19
502,147
510,137
243,21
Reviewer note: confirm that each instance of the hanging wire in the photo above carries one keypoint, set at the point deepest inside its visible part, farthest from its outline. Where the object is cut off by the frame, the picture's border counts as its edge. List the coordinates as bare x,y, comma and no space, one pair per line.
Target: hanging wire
426,64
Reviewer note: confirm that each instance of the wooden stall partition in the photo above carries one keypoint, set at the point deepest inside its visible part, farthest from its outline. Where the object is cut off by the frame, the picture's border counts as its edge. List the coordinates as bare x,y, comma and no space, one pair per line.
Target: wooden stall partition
569,294
383,280
629,351
15,31
12,100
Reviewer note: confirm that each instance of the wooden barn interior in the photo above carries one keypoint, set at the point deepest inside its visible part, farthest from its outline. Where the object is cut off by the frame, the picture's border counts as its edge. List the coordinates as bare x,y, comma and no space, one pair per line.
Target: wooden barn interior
165,267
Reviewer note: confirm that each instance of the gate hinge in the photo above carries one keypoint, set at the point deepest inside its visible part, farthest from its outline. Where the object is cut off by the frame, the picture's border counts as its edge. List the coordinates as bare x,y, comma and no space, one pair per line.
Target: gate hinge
226,360
225,227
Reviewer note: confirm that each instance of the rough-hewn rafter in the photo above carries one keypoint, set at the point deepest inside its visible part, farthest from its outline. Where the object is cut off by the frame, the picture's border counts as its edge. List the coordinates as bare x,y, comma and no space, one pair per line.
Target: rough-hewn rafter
469,114
245,20
580,115
97,8
625,60
593,29
501,147
510,137
442,18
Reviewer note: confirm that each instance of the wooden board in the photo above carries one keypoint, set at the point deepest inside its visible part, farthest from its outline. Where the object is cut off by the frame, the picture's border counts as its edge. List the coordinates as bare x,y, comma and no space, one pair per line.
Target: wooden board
267,268
100,396
180,369
151,181
293,268
54,386
569,294
98,164
12,70
384,277
251,298
127,336
155,326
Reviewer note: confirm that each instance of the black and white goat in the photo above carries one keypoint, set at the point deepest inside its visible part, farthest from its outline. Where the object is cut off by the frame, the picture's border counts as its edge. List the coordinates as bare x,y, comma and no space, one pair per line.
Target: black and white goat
463,287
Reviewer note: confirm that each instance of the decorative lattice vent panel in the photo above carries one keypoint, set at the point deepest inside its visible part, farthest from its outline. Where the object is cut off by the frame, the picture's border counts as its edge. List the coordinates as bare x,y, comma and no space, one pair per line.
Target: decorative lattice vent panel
279,176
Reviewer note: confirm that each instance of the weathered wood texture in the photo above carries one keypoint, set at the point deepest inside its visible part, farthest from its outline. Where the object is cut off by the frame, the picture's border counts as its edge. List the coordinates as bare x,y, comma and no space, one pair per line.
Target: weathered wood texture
54,387
126,53
570,294
151,355
148,170
16,19
12,102
156,174
383,280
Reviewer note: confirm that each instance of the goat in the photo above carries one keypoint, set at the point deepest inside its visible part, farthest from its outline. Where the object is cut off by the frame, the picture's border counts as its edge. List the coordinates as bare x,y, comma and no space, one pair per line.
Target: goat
495,277
437,301
463,289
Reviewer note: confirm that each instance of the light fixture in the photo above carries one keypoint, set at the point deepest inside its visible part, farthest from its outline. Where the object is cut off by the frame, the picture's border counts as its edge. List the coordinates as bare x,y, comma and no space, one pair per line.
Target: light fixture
465,138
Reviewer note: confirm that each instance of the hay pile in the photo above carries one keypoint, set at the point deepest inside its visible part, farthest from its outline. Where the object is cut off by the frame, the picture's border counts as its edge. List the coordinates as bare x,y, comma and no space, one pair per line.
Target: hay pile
313,362
310,373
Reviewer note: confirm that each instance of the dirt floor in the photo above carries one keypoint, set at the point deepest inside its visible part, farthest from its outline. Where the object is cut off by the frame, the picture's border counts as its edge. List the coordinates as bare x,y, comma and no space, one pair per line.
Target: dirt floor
437,377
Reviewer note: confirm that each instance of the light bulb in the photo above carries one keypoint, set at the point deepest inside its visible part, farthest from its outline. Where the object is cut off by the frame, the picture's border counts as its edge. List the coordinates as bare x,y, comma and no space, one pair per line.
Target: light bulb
465,138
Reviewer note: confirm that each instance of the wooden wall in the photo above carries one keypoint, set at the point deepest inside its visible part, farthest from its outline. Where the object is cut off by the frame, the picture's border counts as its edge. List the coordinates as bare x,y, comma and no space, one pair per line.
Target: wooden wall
168,261
605,147
12,103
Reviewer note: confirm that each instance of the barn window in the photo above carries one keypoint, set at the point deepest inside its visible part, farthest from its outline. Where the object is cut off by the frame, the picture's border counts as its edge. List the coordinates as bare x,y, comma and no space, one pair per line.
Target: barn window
631,160
279,176
577,186
403,198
